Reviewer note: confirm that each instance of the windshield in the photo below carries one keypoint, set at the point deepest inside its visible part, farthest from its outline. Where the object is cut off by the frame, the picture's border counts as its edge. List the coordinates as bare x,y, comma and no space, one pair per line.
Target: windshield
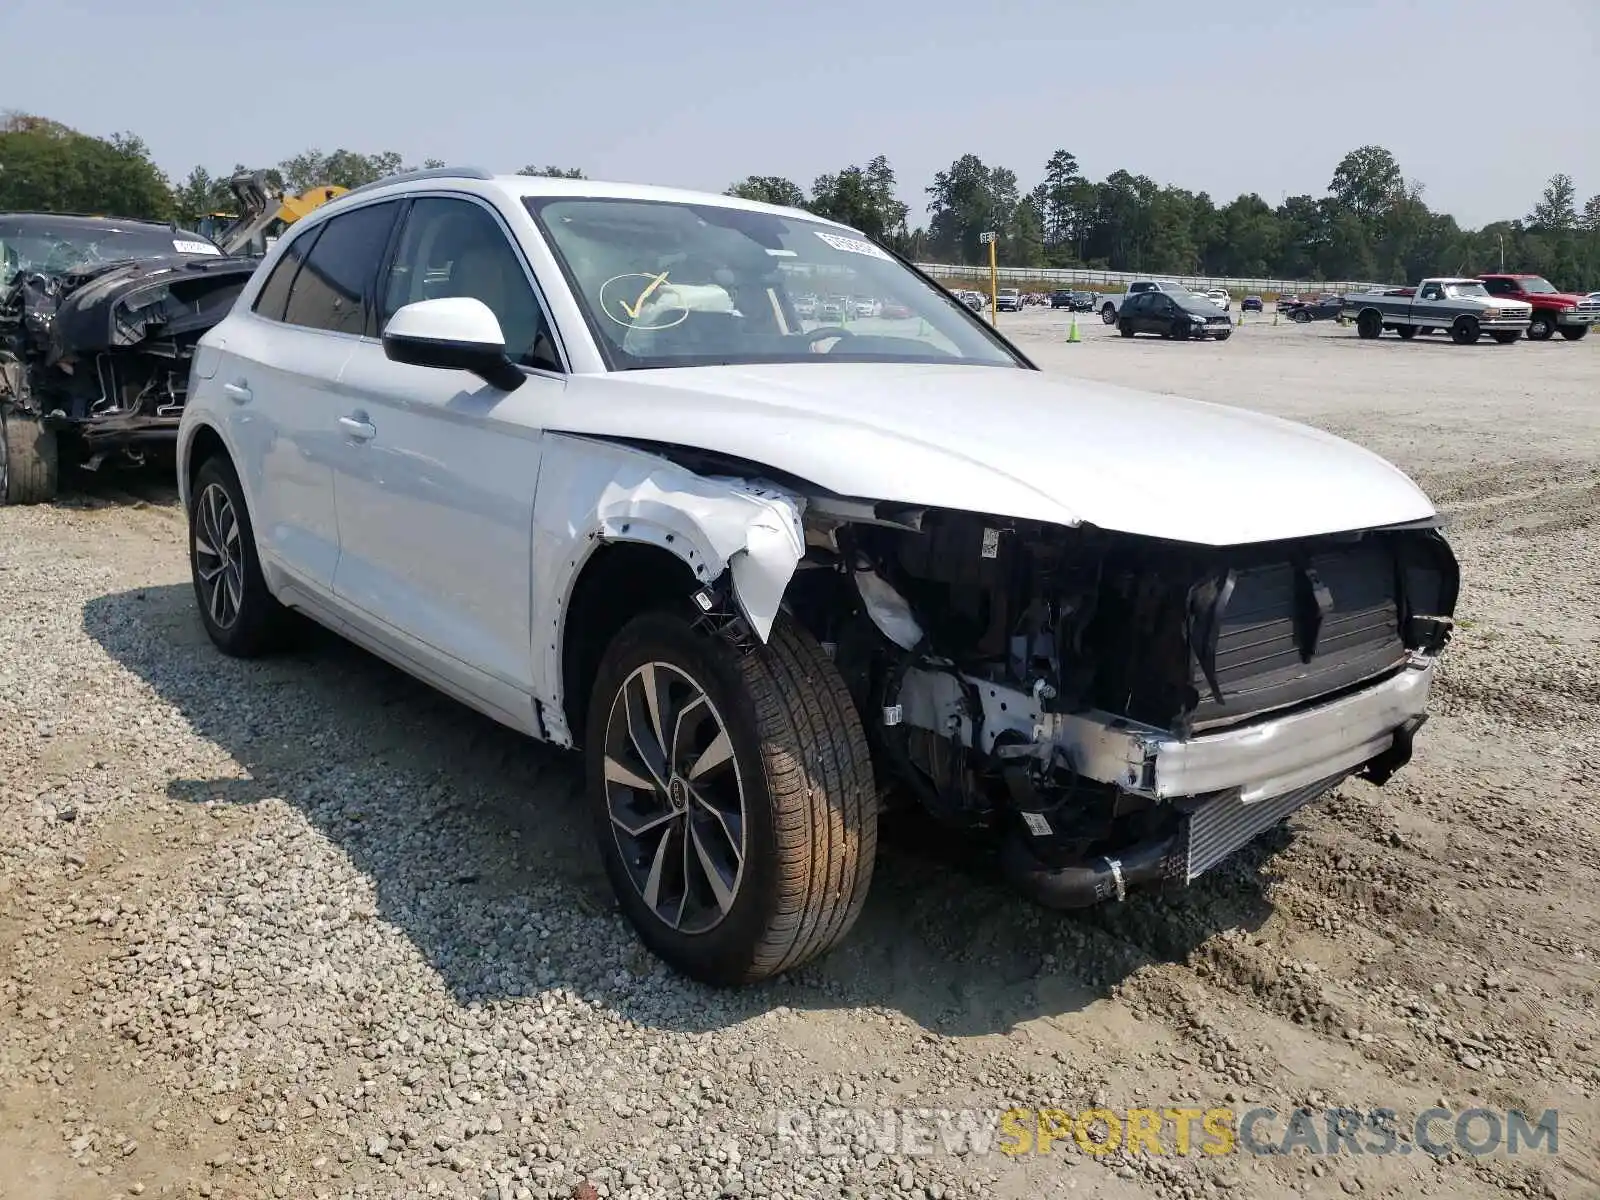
1538,285
673,284
1466,291
53,246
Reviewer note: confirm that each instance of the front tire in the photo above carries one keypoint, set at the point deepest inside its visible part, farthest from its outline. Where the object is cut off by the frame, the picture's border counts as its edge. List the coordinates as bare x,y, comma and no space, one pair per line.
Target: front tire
1541,327
30,460
1465,331
242,618
1108,314
1574,333
732,796
1125,328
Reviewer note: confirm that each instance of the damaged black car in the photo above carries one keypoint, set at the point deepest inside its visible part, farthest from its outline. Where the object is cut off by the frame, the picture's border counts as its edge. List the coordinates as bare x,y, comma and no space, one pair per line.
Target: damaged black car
98,321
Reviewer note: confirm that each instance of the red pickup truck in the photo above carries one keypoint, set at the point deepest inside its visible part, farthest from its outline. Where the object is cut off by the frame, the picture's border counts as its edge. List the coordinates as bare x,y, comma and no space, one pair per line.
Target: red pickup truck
1552,310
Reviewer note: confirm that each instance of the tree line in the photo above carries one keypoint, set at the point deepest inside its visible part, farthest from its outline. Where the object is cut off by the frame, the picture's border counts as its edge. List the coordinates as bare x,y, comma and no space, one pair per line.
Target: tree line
1372,223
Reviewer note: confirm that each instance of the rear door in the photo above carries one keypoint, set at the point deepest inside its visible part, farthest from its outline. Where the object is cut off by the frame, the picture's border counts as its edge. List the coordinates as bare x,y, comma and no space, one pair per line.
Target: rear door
436,495
279,368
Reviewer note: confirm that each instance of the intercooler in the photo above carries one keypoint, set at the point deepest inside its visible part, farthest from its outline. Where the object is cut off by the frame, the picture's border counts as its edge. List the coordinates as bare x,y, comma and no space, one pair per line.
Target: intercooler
1216,829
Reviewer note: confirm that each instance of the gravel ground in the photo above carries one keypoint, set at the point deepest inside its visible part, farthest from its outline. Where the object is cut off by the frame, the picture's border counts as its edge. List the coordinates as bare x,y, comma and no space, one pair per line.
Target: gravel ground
303,928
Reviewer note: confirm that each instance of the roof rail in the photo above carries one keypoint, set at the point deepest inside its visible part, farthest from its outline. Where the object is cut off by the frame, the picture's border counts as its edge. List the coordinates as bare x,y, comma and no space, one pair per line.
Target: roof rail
424,173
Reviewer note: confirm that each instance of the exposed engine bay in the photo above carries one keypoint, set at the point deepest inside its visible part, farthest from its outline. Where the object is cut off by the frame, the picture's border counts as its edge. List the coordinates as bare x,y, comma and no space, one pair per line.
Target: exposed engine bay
1123,710
98,351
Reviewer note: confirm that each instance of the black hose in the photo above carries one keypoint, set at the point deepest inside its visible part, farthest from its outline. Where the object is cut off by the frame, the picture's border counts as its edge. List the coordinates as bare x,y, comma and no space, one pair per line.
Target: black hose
1084,884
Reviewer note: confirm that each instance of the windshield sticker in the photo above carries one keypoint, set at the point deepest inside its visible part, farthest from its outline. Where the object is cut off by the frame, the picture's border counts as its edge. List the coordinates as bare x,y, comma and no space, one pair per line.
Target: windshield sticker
184,247
852,245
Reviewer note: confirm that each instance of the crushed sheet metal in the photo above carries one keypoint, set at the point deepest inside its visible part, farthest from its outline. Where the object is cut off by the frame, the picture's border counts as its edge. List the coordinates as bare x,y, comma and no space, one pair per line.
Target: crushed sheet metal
733,524
889,610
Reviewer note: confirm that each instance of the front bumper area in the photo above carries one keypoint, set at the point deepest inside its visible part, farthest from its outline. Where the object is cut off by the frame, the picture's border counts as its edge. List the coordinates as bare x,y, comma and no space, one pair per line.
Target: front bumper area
1578,316
1260,760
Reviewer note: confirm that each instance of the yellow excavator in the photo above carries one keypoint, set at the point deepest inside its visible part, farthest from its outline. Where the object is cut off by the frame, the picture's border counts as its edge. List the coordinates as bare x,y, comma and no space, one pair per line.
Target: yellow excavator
264,211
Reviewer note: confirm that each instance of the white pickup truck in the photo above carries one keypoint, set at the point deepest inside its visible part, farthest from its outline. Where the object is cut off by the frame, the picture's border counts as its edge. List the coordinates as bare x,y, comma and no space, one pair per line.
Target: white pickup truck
1110,305
1463,306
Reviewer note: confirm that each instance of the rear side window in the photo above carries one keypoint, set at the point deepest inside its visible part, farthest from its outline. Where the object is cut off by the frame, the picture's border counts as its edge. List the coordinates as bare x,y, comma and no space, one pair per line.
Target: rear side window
274,295
333,289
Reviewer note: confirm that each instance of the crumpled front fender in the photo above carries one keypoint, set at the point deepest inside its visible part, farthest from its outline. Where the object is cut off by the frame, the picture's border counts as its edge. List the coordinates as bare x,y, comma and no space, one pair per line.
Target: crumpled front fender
593,492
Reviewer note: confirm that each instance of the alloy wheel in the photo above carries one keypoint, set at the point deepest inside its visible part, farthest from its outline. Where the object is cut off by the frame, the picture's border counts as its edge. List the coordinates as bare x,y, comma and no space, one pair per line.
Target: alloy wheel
219,564
675,798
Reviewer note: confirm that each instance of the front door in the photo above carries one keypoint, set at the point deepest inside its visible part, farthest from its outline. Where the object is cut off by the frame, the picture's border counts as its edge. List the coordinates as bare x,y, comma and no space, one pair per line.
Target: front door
436,478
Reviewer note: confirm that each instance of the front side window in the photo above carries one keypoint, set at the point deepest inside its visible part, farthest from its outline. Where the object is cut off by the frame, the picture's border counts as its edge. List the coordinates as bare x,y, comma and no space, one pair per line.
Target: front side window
668,284
333,287
1431,292
1466,291
454,247
1537,286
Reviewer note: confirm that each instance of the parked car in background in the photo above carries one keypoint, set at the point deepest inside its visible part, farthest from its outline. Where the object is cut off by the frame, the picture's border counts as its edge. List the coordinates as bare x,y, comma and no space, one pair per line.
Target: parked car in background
805,306
864,306
98,319
529,440
1324,308
1061,299
1554,311
1252,303
1009,300
894,310
1221,298
1109,305
1173,316
1286,302
1463,306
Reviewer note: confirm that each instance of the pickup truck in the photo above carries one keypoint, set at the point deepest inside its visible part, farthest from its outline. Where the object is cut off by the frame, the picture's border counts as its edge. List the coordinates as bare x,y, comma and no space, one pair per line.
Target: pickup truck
1553,311
1463,306
1110,305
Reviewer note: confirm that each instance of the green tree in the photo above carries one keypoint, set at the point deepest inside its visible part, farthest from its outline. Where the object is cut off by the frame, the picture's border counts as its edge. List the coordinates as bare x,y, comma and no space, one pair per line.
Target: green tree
769,189
341,168
553,172
1557,208
1367,181
863,197
47,166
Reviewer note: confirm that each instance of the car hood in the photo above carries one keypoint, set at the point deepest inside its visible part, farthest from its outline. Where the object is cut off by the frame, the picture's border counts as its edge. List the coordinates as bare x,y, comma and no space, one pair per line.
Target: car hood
1563,298
1007,442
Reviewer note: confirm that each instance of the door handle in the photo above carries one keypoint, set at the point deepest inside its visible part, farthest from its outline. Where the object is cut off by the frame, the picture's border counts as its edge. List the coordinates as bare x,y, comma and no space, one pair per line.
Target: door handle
237,392
358,429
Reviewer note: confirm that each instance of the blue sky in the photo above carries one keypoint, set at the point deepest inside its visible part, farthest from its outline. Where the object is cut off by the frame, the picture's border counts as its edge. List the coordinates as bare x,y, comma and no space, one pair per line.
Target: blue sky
1480,100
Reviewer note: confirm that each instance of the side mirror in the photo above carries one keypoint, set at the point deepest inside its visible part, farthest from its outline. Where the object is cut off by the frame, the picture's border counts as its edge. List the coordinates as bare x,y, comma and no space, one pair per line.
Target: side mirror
454,333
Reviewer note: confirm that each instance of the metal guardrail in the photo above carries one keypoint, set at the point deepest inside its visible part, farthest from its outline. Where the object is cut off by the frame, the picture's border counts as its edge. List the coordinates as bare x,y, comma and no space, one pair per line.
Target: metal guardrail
1119,280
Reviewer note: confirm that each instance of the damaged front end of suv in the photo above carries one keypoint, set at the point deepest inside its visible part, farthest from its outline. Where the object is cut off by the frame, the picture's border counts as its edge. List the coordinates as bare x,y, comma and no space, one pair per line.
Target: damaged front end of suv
1122,710
98,322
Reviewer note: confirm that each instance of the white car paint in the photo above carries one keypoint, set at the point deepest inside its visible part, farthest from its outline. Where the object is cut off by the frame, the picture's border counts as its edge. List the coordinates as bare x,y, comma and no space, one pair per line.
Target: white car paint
442,522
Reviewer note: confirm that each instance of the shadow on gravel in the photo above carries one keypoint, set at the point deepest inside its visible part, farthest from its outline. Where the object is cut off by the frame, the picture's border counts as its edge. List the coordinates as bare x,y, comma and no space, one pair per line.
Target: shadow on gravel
470,833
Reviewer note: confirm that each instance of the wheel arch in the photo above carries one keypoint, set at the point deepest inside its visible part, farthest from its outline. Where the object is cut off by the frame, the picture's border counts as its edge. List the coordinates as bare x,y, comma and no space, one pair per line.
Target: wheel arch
619,529
202,443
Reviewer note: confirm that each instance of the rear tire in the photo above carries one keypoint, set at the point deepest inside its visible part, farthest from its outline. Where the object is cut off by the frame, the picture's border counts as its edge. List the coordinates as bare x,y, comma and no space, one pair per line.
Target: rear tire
1541,326
1406,332
1125,328
1369,325
786,749
1574,333
30,460
1300,317
1465,331
1425,330
242,618
1108,314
